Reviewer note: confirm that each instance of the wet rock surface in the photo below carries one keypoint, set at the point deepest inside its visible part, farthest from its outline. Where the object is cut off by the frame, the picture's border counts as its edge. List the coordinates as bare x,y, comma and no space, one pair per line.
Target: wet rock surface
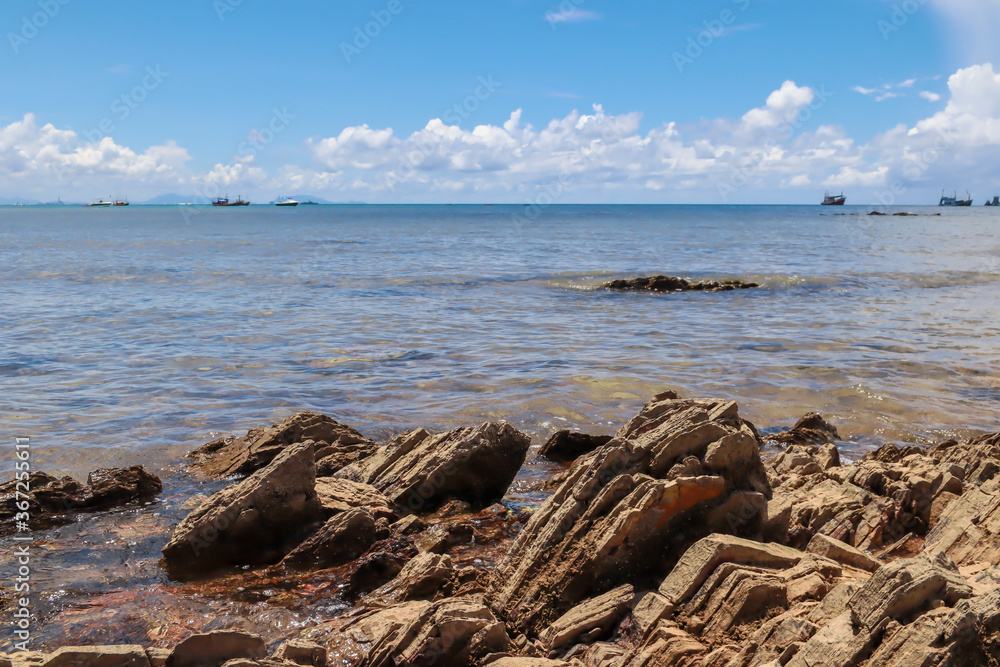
664,284
673,543
51,500
418,471
335,445
569,445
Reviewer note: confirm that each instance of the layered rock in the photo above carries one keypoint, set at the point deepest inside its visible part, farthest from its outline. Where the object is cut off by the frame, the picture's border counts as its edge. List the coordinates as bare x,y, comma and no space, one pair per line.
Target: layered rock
335,446
885,497
257,521
673,284
455,631
343,538
811,429
570,445
50,499
676,472
419,471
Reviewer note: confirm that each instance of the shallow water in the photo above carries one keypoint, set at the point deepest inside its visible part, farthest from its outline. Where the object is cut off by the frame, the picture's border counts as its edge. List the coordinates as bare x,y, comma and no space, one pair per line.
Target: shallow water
135,335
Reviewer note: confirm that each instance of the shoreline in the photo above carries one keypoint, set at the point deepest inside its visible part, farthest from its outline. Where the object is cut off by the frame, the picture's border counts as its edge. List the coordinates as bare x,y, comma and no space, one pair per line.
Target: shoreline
231,593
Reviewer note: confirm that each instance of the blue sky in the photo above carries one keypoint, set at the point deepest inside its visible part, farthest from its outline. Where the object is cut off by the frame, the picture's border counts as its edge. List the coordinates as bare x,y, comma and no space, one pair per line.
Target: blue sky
188,92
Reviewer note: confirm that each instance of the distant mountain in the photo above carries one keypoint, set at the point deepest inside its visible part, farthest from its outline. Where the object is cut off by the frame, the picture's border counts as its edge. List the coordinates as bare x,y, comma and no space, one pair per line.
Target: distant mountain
12,201
169,199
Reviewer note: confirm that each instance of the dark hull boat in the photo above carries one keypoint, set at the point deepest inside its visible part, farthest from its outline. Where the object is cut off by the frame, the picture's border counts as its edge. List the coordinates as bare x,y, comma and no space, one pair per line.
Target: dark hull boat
834,200
955,201
224,201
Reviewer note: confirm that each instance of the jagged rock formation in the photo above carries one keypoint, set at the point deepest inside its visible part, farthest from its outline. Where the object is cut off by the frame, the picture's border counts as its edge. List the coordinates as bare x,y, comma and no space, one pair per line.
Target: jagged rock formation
677,471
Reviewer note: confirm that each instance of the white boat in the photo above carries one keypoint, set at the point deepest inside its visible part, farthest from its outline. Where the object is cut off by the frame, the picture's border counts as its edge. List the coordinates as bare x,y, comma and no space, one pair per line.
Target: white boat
286,201
99,202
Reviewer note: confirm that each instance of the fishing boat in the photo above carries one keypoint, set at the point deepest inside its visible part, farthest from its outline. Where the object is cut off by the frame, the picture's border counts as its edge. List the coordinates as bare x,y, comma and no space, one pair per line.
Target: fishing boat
121,202
834,200
99,202
995,202
286,201
955,201
224,201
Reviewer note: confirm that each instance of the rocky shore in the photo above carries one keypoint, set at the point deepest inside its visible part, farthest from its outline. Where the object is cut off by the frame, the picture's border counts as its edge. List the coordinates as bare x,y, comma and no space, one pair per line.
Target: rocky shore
676,541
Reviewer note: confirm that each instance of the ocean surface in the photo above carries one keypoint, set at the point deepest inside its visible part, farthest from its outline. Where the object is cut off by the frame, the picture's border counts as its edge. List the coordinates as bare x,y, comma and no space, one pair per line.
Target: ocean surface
133,335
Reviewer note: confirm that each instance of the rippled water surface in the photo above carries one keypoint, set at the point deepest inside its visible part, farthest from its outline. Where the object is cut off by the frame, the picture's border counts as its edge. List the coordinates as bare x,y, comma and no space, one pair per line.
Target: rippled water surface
132,335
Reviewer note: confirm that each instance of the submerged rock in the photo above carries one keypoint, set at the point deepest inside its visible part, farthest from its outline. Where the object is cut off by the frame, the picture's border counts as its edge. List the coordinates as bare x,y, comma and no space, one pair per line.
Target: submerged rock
335,445
674,284
256,521
51,499
569,445
419,471
632,507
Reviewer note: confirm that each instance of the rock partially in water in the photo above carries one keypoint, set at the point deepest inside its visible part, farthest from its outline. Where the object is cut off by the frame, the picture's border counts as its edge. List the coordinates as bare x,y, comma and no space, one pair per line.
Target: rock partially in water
419,471
569,445
256,521
627,511
50,500
663,284
214,649
343,538
98,656
335,445
811,429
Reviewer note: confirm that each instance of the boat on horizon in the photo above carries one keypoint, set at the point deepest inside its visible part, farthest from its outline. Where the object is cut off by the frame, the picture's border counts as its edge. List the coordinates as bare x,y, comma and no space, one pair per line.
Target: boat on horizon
286,201
954,200
995,202
121,202
309,203
100,203
834,200
224,201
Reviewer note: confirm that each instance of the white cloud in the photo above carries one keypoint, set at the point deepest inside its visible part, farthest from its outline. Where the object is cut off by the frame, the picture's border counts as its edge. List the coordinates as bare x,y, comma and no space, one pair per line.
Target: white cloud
929,96
886,91
572,16
595,155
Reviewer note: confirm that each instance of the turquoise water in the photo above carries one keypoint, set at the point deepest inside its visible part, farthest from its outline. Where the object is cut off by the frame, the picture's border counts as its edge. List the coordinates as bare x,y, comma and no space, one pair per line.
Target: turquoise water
132,335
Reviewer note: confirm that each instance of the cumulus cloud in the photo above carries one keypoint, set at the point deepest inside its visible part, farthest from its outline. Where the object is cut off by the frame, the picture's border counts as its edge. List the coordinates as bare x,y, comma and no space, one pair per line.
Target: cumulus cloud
769,152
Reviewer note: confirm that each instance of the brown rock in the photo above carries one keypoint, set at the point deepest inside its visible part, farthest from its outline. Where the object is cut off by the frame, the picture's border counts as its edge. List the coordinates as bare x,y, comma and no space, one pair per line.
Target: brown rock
302,653
343,538
214,649
340,495
335,445
824,545
901,588
50,499
667,646
569,445
616,518
98,656
419,472
257,520
600,614
426,577
455,632
811,429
